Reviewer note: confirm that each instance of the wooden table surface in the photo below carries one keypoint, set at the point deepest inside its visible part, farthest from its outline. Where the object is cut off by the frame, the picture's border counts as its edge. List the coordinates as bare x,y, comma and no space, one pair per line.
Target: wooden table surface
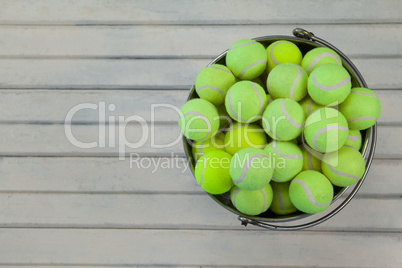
62,205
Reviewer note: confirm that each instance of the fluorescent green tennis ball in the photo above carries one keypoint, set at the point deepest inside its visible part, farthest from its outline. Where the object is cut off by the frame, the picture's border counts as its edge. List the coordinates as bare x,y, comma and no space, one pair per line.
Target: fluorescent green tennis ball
329,84
319,56
216,143
283,119
287,80
251,169
311,158
246,59
361,108
281,204
224,118
311,192
213,82
344,167
354,139
251,202
198,120
287,159
326,130
212,172
241,136
309,105
246,101
283,51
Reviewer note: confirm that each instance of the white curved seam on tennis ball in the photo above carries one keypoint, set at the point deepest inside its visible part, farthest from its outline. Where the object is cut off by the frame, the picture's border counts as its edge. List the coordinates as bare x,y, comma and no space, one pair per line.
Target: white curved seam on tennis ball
339,173
243,72
295,81
323,130
309,104
234,114
365,94
221,69
236,191
201,153
266,125
341,83
212,88
275,179
351,147
287,156
247,166
319,57
269,84
259,98
353,138
271,52
204,162
265,200
202,117
309,162
288,118
309,195
362,118
242,45
280,199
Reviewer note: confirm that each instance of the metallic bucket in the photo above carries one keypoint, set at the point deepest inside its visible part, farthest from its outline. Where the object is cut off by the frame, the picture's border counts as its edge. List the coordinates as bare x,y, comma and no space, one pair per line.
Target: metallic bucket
305,41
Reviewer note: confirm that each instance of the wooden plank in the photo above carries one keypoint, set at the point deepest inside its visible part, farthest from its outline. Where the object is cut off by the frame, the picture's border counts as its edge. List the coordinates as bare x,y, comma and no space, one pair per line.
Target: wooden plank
52,106
380,73
110,175
187,40
151,139
194,247
200,12
169,211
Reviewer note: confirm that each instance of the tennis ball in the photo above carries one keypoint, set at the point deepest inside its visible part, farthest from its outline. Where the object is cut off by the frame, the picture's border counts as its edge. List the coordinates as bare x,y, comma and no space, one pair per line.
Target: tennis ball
309,105
283,51
216,143
269,99
251,202
213,82
311,158
311,192
287,80
354,139
319,56
246,101
224,118
241,136
361,108
326,130
329,84
281,204
287,159
198,120
246,59
283,119
251,169
344,167
212,172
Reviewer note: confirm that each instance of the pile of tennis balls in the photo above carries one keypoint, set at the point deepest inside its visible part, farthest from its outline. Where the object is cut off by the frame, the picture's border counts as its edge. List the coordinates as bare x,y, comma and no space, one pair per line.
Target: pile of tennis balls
277,129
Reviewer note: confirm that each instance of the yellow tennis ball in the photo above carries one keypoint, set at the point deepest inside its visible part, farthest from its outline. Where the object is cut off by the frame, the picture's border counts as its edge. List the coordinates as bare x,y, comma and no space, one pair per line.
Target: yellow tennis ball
251,169
246,101
319,56
361,108
281,204
326,130
251,202
287,80
241,136
311,192
246,59
344,167
213,82
283,51
311,158
329,84
216,143
354,139
287,159
283,119
309,106
212,172
198,119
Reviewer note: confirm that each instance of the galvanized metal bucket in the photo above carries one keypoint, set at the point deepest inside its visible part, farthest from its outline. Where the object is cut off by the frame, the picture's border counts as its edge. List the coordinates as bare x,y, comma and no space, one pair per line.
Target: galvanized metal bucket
305,41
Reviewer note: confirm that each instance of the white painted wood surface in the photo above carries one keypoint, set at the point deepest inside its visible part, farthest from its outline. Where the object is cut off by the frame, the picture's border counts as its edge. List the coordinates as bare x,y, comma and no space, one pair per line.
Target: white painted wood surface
65,206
